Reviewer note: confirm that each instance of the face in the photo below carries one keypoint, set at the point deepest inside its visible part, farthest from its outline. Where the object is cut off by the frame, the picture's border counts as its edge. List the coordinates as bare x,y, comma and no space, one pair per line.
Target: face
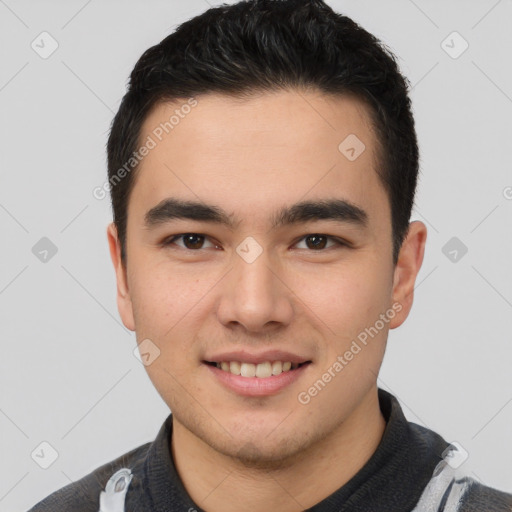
285,257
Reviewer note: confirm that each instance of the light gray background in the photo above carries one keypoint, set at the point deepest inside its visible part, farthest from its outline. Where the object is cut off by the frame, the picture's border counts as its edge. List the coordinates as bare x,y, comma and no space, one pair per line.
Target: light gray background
67,369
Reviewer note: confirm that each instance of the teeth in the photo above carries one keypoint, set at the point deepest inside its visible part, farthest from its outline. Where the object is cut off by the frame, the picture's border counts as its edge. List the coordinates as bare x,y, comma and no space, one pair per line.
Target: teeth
277,367
261,370
247,370
235,367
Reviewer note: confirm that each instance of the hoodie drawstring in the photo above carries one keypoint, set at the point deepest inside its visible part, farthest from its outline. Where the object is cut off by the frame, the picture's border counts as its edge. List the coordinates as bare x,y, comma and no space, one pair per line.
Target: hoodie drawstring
112,499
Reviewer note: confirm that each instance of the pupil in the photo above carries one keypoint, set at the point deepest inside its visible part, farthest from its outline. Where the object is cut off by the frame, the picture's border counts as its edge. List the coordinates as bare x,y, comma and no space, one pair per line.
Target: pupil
193,241
318,241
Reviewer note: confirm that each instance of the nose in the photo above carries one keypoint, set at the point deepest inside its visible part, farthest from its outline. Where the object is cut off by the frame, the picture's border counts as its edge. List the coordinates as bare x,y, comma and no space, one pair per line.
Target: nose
255,296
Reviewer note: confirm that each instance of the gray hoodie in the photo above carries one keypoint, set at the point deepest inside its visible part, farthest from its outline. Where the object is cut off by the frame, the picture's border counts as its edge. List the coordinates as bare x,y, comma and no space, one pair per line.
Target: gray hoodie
413,470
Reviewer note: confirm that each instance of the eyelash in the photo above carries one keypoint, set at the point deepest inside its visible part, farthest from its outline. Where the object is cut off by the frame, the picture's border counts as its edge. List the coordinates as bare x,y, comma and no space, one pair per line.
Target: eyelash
341,243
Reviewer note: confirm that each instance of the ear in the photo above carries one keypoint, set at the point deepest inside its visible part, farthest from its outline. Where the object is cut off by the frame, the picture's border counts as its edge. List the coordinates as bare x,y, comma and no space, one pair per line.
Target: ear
124,302
406,269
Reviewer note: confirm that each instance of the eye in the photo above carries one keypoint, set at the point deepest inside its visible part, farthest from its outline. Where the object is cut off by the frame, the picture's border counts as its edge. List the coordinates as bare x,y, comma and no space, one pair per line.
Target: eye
197,241
192,241
318,241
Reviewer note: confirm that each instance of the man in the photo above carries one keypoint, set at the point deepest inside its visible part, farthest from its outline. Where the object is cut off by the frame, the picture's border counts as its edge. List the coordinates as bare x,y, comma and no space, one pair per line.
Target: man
263,167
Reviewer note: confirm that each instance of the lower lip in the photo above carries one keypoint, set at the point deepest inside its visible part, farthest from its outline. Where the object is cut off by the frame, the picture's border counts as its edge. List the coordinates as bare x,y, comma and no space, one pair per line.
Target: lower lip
256,386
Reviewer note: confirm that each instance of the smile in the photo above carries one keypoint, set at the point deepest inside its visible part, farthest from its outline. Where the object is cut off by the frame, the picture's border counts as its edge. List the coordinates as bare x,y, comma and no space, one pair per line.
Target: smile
256,379
261,370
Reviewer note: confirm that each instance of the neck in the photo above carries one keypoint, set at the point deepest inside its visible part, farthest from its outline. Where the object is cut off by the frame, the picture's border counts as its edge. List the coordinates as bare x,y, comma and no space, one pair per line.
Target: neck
218,483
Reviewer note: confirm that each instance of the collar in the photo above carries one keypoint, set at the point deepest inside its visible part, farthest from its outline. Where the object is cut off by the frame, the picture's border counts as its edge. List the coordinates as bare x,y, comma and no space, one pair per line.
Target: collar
392,479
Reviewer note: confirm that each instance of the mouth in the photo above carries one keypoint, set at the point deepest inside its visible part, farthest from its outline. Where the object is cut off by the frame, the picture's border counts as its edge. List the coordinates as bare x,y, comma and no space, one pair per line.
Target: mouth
264,370
256,379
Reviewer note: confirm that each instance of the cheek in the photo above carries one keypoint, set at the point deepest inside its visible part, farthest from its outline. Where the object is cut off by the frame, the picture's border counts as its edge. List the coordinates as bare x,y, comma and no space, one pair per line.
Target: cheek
168,304
345,298
165,297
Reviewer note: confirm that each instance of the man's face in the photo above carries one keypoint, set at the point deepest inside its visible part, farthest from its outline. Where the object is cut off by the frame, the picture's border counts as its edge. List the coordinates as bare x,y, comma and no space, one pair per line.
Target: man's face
268,281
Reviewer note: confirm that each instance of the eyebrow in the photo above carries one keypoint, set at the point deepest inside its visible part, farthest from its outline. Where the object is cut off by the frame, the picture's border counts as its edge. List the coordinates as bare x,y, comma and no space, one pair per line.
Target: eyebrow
339,210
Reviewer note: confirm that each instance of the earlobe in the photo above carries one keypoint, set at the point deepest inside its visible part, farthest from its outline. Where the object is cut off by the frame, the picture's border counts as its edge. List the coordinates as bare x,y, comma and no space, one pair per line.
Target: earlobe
124,302
406,270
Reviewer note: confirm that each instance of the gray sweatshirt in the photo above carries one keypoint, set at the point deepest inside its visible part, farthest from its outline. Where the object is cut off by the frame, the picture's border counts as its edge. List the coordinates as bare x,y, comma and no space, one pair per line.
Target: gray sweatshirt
413,470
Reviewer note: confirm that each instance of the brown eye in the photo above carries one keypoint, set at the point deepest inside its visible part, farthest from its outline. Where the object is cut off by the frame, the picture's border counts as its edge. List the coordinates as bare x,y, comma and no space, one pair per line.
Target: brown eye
191,241
316,241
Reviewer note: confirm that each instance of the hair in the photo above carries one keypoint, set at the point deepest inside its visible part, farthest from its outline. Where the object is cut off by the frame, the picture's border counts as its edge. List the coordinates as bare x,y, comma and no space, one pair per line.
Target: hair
263,46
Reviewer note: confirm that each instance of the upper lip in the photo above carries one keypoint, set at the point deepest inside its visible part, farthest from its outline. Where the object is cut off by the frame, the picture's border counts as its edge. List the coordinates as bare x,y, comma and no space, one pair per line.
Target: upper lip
262,357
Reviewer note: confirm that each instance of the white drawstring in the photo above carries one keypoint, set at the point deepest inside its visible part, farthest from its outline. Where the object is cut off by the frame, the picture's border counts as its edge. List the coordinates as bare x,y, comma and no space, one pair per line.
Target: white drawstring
113,497
435,491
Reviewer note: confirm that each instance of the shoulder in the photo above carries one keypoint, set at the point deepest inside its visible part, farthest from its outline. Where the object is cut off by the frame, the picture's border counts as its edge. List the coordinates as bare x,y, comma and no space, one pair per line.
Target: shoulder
83,495
478,497
449,491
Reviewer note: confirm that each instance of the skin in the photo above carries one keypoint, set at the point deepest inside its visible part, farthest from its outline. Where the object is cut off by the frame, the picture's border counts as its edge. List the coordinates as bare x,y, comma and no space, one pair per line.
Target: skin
252,157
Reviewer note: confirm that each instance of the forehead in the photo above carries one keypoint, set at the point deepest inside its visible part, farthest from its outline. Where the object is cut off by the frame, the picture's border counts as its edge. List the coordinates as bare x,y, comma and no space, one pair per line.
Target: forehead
250,154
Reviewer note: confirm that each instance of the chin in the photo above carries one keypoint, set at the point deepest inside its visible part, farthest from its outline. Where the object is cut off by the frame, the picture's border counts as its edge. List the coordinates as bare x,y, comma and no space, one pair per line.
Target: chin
270,456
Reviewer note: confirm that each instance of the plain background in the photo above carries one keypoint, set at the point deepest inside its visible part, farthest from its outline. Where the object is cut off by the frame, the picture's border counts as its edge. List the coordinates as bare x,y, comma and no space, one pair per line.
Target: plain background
67,369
